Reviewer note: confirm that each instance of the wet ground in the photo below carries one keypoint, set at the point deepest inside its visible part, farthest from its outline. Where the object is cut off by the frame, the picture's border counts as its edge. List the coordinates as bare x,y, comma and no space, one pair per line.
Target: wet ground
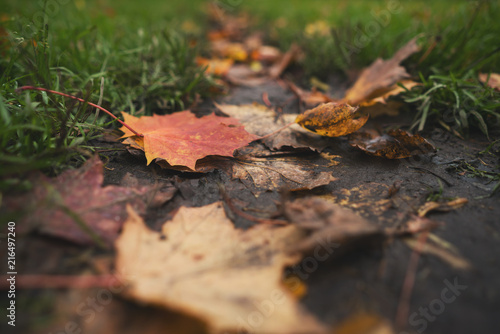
368,278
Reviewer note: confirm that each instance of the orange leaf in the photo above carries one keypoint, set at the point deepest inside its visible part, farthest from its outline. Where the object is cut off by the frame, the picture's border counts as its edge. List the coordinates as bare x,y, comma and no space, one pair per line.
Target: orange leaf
215,66
182,138
331,119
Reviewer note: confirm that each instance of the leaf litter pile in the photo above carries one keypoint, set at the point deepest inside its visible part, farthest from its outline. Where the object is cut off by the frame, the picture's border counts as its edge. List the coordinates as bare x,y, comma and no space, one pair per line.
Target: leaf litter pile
295,217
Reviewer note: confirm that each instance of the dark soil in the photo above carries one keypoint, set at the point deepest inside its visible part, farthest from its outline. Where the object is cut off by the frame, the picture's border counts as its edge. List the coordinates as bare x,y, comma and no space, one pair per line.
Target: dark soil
368,278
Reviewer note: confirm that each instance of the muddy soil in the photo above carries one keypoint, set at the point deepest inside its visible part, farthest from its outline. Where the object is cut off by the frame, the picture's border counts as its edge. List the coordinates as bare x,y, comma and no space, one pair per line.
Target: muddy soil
368,278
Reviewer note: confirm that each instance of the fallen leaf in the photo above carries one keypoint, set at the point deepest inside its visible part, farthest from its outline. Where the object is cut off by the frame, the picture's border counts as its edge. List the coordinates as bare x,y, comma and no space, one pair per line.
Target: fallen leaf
274,174
331,119
245,75
201,265
332,223
182,138
328,221
493,81
230,50
261,121
74,206
441,206
215,66
380,75
395,144
391,91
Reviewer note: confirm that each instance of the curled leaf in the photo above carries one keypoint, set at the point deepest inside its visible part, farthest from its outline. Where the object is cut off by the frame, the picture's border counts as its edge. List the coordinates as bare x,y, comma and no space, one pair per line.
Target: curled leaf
396,144
331,120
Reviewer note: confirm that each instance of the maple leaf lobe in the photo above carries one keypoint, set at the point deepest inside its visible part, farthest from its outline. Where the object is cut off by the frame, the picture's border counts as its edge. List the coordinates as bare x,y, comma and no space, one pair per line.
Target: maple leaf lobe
182,139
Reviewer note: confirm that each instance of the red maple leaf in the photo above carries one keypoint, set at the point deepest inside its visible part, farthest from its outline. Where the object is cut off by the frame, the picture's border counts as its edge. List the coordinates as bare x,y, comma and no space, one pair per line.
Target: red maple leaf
182,138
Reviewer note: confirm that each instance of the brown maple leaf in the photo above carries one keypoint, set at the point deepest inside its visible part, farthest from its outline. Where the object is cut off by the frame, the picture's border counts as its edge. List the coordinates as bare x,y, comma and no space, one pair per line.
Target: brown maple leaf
181,138
377,79
205,267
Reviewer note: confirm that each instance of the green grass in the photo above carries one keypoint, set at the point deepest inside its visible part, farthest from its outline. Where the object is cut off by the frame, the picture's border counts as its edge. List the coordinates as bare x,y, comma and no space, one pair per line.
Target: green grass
121,59
139,57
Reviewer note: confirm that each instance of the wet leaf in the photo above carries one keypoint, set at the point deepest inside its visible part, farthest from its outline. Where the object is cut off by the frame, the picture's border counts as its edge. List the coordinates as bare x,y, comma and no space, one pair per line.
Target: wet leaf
395,144
260,120
201,265
380,75
74,206
331,119
287,174
181,139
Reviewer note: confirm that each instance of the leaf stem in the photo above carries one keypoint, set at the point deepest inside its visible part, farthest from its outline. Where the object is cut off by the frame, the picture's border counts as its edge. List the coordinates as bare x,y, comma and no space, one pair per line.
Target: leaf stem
81,100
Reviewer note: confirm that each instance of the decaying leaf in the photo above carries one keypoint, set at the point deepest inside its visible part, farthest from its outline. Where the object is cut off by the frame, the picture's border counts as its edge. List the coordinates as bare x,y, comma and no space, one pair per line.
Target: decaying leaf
74,206
261,121
376,79
331,119
287,174
493,81
182,138
441,206
395,144
330,222
201,265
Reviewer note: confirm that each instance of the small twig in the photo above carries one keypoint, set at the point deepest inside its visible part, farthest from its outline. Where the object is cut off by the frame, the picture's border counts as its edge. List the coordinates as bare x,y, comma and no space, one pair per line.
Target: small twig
404,300
431,172
245,215
81,100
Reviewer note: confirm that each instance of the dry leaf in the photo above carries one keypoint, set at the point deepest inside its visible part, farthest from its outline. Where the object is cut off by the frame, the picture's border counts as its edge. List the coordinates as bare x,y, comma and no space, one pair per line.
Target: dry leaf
182,138
331,119
260,120
380,75
396,144
201,265
493,81
441,206
391,91
74,206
